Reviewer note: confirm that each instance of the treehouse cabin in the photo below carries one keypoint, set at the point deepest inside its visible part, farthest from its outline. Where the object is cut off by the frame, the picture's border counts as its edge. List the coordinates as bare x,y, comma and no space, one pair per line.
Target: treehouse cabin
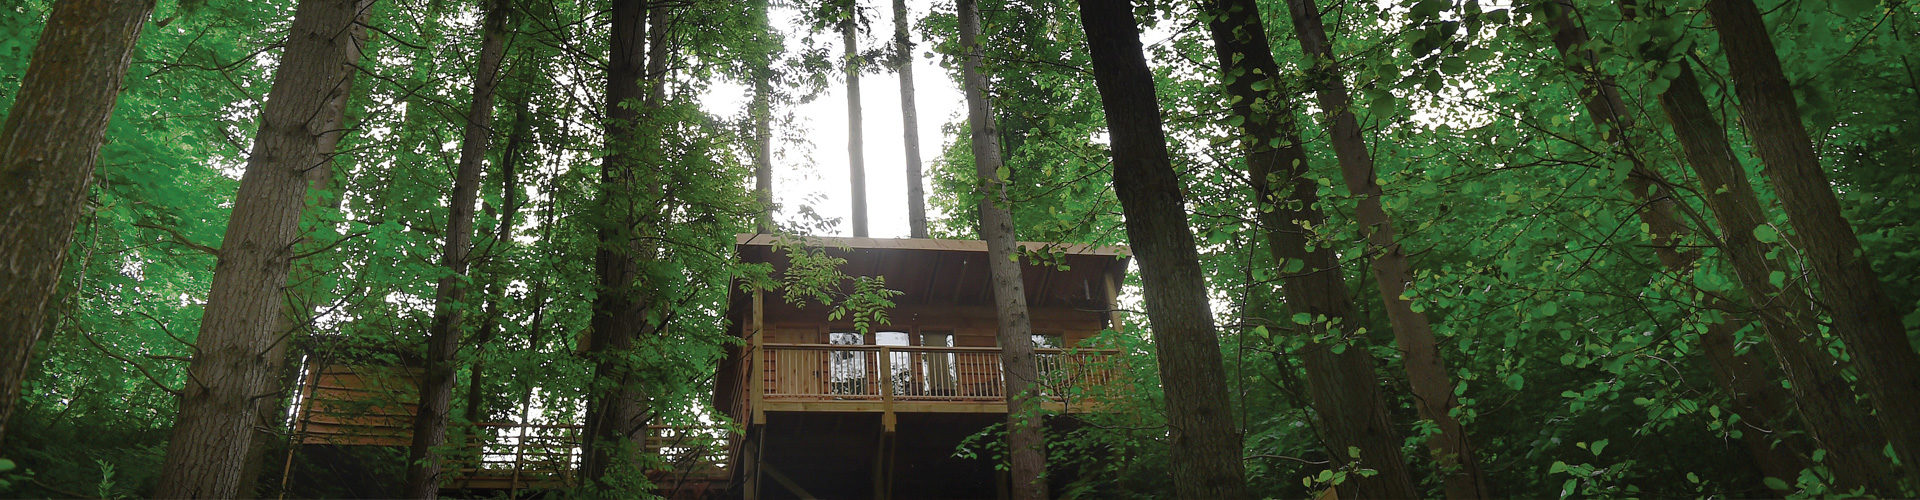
832,411
828,410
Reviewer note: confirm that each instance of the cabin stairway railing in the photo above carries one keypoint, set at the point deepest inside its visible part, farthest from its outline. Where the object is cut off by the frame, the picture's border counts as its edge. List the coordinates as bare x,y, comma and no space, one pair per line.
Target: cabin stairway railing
920,374
513,457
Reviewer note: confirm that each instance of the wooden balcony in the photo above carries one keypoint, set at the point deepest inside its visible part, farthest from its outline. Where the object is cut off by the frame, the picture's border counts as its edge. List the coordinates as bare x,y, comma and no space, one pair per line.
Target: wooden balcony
516,457
917,379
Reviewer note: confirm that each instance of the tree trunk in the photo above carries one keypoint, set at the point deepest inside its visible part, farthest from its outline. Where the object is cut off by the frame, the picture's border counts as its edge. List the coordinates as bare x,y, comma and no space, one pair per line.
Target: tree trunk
1863,315
762,110
910,123
443,339
1426,371
299,127
510,157
856,155
1741,377
47,152
1853,442
1206,447
1026,441
1347,396
616,424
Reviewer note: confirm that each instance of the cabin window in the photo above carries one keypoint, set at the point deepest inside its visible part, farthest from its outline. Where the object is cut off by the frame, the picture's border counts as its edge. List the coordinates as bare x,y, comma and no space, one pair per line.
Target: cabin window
937,371
899,362
847,368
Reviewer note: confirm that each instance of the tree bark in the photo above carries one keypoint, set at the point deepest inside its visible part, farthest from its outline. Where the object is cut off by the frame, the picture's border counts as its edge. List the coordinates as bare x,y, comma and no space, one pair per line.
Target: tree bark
1852,440
1741,377
856,150
1206,446
1026,442
910,122
616,410
443,338
1346,393
1427,372
47,151
510,157
299,127
1863,315
762,111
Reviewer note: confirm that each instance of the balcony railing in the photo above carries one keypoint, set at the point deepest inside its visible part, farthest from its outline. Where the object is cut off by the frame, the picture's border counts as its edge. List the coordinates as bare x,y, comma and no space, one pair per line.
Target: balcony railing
825,372
533,456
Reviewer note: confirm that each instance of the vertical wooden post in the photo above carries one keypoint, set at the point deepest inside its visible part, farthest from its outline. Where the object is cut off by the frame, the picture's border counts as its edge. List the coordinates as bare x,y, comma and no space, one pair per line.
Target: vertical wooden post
886,379
757,385
1115,319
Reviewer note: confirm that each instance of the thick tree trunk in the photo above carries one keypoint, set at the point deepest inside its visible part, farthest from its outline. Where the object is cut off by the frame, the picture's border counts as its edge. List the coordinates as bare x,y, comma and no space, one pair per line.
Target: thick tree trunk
443,338
1026,441
1426,371
762,110
299,127
1863,315
47,152
1741,377
910,122
1206,459
616,409
1853,441
856,150
1347,396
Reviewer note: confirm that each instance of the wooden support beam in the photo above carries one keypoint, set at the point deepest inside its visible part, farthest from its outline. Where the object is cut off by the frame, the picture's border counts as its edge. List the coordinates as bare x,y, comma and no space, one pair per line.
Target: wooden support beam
785,482
757,384
883,465
750,462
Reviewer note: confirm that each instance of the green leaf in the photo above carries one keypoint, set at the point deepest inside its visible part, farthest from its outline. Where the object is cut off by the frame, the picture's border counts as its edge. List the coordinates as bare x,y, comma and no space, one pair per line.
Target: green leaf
1598,445
1775,483
1854,8
1766,234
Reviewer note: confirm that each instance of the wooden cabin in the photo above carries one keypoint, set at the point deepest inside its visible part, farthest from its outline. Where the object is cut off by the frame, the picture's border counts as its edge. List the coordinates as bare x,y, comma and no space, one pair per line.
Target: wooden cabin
829,411
834,412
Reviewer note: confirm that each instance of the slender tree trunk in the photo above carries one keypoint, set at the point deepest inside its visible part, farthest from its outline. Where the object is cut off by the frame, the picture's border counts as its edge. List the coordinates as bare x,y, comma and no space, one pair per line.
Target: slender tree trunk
47,152
762,110
1206,447
616,413
1863,315
1025,426
510,158
910,122
1852,440
299,127
1347,395
443,339
1426,371
856,150
1741,377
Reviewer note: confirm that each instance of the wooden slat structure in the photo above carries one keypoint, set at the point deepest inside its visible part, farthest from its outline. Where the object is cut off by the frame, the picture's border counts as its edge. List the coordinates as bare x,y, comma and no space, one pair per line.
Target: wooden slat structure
364,405
827,410
369,405
813,390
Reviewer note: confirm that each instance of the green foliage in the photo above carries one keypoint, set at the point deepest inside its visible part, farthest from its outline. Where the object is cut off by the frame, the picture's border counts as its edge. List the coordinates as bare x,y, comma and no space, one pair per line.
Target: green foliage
1577,358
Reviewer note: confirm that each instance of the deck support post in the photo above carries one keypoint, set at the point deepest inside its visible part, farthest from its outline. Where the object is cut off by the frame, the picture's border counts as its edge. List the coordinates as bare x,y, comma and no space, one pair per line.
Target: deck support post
883,462
757,381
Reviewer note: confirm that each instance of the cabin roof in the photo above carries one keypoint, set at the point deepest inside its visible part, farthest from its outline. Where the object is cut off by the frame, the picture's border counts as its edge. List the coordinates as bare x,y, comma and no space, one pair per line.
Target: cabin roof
768,240
951,272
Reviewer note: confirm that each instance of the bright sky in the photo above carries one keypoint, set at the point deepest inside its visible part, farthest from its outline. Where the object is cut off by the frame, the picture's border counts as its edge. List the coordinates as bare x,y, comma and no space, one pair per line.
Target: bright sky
810,166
